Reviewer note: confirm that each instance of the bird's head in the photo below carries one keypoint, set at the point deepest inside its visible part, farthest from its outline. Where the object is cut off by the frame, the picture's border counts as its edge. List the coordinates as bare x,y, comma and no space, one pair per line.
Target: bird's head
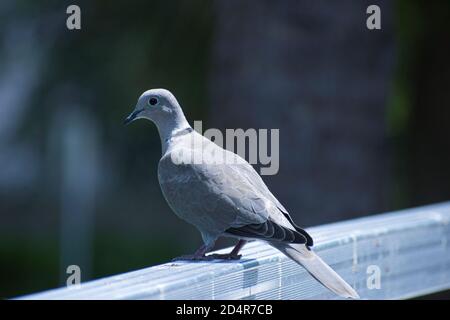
155,105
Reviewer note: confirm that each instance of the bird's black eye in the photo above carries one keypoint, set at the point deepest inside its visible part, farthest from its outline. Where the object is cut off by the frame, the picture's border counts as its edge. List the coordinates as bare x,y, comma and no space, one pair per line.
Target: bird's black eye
153,101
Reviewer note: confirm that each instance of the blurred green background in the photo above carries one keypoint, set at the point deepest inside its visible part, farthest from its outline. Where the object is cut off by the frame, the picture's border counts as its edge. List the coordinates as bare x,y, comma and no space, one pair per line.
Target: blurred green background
363,115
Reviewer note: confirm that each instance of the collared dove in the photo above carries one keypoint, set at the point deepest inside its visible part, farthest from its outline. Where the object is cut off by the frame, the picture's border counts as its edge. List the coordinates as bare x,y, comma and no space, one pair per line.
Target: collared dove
222,195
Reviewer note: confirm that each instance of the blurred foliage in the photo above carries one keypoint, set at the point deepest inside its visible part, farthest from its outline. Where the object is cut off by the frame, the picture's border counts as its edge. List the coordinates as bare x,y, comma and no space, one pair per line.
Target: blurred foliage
417,116
30,265
123,49
409,31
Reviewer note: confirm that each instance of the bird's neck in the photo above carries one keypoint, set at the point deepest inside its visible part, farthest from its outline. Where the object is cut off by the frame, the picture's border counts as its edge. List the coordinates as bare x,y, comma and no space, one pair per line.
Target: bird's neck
172,126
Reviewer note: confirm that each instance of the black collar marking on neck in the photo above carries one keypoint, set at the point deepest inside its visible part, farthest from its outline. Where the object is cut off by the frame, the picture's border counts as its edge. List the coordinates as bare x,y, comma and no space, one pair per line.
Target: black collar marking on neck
181,133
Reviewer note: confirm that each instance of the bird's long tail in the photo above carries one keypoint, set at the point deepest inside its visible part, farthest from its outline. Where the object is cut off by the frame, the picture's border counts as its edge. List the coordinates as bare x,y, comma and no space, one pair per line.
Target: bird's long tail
317,268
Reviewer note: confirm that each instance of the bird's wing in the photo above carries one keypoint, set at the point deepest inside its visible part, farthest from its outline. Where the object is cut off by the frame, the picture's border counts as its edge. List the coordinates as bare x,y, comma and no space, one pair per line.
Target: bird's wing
221,198
248,172
268,231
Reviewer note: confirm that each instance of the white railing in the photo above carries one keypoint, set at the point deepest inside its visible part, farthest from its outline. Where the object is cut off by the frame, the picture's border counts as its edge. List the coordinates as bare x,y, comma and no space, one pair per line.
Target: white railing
390,256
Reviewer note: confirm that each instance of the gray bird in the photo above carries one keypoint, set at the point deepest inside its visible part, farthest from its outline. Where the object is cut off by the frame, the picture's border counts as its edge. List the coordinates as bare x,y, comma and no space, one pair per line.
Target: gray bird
224,198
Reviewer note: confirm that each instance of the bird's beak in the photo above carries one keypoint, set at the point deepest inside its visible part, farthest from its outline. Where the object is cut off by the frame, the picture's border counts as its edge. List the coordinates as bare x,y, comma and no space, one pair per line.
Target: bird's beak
132,116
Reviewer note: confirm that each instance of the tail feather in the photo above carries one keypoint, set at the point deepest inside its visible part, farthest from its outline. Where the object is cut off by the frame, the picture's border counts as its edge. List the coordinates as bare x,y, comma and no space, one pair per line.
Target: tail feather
317,268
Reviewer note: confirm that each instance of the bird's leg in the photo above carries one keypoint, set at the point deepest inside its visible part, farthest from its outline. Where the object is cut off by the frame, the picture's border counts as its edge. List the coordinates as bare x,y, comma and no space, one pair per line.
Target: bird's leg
199,255
233,255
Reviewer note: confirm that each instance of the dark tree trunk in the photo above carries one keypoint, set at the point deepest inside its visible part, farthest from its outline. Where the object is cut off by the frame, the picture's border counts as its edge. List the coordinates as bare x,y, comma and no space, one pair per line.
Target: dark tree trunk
313,70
